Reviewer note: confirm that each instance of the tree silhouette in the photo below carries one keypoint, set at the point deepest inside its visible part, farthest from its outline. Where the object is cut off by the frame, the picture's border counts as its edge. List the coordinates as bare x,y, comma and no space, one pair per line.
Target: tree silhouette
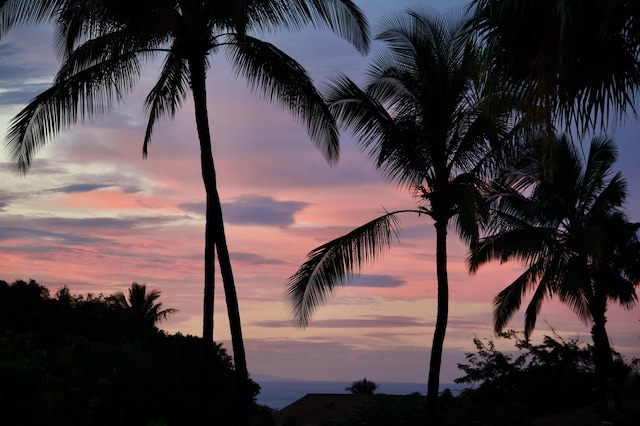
424,120
363,386
573,62
143,305
105,44
562,220
77,359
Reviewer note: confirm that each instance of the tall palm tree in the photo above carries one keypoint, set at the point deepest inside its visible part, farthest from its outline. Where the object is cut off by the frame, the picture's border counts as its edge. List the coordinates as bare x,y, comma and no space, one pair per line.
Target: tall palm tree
575,63
105,44
423,118
565,225
143,305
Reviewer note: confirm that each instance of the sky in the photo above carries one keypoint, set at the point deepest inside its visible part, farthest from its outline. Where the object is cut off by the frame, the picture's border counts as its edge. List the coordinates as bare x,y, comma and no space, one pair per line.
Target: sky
94,215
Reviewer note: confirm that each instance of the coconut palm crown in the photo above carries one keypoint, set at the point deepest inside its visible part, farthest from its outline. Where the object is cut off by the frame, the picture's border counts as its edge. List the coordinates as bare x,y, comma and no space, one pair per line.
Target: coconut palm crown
423,119
143,304
566,226
575,63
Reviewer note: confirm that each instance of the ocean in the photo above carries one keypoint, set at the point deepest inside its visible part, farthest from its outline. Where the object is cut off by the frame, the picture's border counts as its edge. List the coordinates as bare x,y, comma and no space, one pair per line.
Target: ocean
278,394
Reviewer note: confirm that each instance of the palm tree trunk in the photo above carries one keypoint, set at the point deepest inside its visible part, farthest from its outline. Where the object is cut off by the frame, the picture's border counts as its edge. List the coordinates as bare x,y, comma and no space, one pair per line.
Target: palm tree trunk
198,88
441,322
245,398
603,359
215,238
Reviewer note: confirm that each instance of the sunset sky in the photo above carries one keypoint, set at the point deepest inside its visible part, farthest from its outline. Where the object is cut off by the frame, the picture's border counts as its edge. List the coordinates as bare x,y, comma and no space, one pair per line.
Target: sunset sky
93,215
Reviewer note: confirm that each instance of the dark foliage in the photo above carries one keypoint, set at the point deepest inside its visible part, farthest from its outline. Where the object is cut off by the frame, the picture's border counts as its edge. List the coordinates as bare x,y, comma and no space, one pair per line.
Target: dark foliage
74,360
383,410
514,388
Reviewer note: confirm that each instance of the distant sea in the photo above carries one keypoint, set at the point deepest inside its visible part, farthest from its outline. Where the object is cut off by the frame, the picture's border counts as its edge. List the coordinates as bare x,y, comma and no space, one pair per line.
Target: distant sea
278,394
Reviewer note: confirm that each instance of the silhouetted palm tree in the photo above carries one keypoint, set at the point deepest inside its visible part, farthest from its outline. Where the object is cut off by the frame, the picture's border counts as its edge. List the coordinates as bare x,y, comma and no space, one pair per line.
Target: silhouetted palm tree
363,386
424,120
573,62
566,227
143,305
105,44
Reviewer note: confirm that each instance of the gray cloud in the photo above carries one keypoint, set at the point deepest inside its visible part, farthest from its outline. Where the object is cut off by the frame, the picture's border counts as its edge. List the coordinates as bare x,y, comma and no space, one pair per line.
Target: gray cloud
22,83
254,259
369,321
79,187
196,208
376,280
64,229
76,188
130,189
259,210
11,67
253,210
10,233
6,198
21,95
90,222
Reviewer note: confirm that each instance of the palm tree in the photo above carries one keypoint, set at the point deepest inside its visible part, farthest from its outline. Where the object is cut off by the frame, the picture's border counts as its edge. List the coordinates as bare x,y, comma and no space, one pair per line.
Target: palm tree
566,227
363,386
143,305
105,44
424,120
576,62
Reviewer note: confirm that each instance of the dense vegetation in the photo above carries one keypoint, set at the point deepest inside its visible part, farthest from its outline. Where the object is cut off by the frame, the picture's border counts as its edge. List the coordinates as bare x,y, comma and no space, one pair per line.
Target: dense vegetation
556,375
516,388
85,360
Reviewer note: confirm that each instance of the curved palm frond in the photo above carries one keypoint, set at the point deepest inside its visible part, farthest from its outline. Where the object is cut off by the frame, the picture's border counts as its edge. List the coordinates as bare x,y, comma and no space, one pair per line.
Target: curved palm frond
167,95
282,80
508,301
19,12
75,96
354,109
342,17
137,24
543,290
335,262
575,286
471,208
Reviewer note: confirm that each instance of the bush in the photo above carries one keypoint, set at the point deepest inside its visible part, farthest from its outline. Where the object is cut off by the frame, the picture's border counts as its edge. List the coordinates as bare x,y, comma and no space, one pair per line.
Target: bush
77,360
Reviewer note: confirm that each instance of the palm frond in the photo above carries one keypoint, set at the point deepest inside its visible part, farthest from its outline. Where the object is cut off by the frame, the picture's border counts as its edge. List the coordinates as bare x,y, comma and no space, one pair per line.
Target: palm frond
402,157
570,64
335,262
282,80
354,110
523,244
137,25
508,301
535,305
343,17
575,287
167,95
470,210
120,300
19,12
400,32
84,94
